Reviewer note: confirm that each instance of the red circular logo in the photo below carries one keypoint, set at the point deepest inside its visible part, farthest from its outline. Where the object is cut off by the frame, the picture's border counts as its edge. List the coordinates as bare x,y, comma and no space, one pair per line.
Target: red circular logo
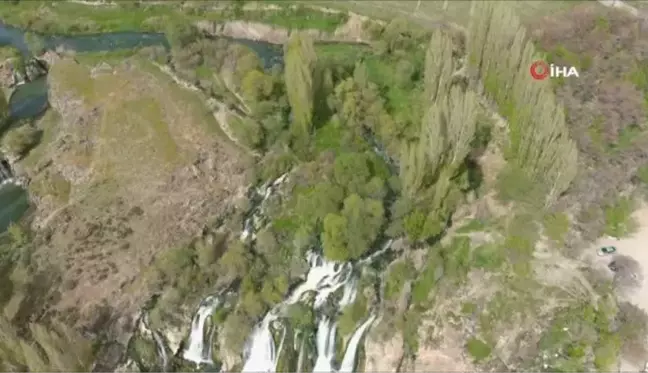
539,70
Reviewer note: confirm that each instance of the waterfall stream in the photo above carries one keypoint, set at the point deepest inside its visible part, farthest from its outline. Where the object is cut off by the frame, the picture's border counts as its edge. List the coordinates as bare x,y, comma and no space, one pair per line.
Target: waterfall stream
323,280
197,350
6,175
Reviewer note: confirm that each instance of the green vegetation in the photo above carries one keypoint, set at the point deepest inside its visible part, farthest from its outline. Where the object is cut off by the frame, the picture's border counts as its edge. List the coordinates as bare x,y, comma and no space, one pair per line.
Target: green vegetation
19,140
381,141
75,18
57,349
398,275
618,218
579,331
539,147
478,349
352,315
556,227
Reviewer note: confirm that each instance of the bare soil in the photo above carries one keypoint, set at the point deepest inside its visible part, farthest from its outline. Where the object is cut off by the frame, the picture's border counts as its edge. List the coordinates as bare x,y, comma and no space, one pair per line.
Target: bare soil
139,169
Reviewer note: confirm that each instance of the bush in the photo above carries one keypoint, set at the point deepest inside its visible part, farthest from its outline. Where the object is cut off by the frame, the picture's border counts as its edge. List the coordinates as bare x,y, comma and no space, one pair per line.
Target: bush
633,328
556,227
18,141
35,43
399,274
478,349
618,218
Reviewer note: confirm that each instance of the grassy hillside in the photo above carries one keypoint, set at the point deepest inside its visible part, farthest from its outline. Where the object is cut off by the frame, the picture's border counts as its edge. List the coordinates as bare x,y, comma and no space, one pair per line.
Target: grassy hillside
130,162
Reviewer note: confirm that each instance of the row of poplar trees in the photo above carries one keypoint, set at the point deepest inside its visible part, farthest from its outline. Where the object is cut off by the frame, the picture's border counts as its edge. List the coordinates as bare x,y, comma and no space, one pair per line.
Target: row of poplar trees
431,164
500,54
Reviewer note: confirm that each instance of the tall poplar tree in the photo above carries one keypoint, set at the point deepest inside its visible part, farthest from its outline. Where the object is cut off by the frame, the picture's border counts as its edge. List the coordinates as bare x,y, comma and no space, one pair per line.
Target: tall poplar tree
300,59
500,56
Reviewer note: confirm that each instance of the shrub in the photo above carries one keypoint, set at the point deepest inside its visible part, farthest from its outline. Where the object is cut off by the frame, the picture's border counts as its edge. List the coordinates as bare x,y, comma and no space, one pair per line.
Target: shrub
618,218
399,274
35,43
18,141
478,349
633,327
556,227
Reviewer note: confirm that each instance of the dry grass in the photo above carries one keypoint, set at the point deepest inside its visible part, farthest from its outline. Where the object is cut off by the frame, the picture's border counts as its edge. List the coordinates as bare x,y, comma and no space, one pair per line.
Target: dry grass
146,171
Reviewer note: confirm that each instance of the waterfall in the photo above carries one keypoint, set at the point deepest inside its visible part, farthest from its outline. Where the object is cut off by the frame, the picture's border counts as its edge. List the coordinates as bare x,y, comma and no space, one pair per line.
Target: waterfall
197,350
324,278
262,355
256,217
146,330
161,349
348,361
6,175
325,346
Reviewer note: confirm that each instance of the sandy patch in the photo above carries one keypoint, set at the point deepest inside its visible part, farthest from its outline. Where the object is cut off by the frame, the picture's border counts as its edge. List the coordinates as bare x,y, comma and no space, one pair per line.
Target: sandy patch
635,246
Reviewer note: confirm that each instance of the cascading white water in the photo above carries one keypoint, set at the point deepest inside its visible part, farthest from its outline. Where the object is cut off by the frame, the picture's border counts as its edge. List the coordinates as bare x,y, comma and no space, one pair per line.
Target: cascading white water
325,346
146,330
161,349
348,361
197,350
263,356
324,278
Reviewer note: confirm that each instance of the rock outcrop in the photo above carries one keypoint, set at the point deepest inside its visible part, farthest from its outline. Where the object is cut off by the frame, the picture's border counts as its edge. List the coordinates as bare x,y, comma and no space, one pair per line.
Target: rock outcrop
384,356
15,71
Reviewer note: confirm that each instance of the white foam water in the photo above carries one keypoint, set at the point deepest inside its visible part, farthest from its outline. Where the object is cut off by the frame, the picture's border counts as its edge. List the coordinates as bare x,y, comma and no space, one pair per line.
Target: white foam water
324,278
198,349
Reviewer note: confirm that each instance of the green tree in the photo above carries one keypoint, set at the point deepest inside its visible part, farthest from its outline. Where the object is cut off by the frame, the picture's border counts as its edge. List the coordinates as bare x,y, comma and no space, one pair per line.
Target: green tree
181,34
235,262
334,237
257,86
18,141
349,235
300,60
352,171
439,66
538,137
365,218
317,202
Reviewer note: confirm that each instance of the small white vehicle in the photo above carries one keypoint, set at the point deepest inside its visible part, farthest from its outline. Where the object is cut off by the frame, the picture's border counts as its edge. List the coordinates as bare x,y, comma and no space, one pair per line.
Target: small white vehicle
606,250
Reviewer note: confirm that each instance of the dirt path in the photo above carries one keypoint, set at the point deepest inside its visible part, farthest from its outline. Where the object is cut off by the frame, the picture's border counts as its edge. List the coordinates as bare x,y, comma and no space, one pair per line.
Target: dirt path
635,246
